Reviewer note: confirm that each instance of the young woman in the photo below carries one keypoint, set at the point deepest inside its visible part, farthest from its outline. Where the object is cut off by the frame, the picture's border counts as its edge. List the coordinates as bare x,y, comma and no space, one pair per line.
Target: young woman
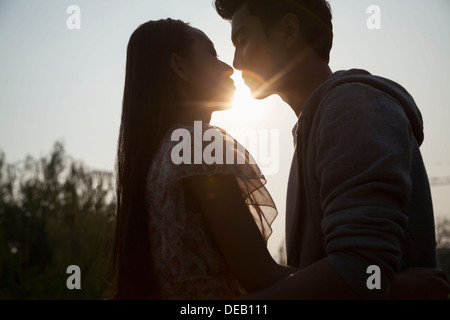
185,231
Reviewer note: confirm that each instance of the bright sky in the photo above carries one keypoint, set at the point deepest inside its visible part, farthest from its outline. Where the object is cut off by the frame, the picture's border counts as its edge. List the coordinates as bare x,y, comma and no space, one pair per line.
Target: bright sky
61,84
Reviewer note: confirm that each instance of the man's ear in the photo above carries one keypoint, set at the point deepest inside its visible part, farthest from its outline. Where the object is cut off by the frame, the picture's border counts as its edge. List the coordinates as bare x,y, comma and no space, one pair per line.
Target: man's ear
177,66
291,29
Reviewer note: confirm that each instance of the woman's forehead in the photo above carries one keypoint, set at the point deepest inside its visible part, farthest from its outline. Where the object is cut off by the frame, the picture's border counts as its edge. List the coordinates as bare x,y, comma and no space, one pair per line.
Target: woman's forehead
201,36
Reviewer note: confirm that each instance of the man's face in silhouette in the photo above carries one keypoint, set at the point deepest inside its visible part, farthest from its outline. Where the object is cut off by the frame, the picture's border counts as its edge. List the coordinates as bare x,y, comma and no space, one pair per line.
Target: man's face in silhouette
258,55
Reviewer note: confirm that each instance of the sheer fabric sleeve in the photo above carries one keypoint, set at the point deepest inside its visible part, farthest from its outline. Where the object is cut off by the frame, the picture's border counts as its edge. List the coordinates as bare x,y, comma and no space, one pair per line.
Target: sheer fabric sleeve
220,154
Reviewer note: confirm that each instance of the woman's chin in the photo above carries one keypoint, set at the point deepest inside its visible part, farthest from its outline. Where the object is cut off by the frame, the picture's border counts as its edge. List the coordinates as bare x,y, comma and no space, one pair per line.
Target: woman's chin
222,107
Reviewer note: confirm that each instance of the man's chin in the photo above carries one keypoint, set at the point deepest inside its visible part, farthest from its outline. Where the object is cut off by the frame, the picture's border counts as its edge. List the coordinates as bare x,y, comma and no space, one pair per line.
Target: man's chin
259,91
260,94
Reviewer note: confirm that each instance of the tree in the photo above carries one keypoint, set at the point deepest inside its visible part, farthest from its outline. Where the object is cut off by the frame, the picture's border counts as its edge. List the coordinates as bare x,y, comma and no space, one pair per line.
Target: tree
443,233
443,245
54,212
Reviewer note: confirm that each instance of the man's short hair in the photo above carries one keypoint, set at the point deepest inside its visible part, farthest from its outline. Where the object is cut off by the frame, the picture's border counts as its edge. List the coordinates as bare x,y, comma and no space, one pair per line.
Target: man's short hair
314,17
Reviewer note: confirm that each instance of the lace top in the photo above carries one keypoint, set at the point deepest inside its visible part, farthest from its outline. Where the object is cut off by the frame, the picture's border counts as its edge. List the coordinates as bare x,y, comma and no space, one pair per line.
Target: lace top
186,259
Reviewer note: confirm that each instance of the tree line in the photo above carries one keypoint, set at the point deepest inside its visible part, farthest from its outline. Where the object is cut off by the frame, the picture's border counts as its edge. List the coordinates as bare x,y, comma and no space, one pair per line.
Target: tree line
56,212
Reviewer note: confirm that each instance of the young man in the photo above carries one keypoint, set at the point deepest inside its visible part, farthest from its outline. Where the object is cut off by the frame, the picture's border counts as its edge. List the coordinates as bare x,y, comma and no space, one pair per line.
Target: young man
358,194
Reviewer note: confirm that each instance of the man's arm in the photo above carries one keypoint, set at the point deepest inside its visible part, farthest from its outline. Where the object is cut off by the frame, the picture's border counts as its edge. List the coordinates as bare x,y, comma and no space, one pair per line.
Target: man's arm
363,154
312,283
317,282
420,284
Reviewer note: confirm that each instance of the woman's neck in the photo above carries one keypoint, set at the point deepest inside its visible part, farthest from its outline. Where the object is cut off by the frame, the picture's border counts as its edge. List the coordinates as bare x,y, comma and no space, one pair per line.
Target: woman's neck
191,113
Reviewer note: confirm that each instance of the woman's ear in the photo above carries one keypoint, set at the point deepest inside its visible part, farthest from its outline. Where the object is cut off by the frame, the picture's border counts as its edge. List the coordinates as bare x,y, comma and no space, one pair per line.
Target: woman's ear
291,29
177,66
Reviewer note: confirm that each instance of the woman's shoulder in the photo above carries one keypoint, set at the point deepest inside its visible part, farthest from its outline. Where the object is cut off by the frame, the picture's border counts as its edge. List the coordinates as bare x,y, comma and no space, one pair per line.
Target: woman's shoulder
201,149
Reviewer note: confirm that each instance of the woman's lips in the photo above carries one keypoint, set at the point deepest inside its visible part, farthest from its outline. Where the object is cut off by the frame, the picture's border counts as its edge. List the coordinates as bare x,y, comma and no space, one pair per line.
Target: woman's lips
230,83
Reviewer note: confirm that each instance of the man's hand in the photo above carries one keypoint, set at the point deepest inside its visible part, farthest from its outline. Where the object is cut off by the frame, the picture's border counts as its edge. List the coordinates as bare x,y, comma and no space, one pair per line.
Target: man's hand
420,284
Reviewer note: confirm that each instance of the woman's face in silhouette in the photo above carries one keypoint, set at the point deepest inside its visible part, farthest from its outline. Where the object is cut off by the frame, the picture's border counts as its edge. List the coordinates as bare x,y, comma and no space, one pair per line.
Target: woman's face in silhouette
204,80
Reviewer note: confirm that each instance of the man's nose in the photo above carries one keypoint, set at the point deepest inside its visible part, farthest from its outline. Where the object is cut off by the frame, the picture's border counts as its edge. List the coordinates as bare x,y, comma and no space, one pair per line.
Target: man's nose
237,61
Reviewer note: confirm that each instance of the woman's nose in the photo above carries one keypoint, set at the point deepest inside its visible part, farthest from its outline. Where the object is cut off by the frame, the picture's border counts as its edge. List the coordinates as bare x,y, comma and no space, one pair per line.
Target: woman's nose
228,69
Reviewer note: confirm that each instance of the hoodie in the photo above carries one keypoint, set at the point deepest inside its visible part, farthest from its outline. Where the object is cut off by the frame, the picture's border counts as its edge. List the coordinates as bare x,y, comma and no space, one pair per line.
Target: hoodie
358,192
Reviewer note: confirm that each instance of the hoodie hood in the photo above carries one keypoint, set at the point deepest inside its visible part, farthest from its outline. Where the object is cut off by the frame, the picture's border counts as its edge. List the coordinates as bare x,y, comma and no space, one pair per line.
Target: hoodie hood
389,87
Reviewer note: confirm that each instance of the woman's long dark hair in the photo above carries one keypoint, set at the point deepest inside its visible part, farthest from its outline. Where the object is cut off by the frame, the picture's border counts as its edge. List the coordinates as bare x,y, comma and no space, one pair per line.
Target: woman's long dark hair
149,102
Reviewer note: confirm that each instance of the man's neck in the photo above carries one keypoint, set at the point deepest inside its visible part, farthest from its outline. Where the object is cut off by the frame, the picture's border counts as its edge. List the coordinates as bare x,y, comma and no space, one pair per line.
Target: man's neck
301,82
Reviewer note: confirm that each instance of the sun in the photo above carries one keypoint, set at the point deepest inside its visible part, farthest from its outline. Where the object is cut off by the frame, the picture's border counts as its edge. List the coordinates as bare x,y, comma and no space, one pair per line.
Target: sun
245,108
243,99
